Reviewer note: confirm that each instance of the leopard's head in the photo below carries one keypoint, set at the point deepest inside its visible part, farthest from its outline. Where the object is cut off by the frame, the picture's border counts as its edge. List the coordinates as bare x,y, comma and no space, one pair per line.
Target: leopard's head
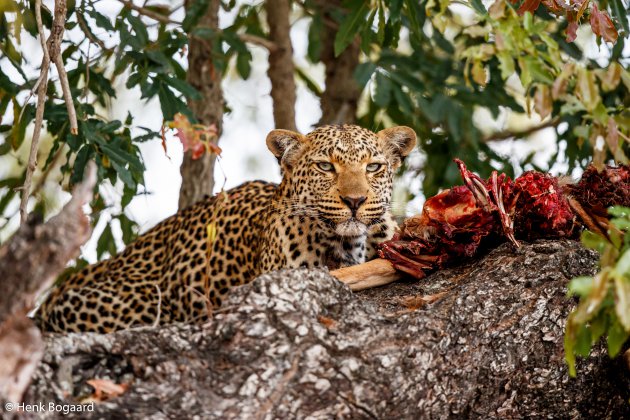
341,175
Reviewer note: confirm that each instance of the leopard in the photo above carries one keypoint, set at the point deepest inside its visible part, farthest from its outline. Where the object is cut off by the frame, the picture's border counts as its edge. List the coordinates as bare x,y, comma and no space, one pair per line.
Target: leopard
331,209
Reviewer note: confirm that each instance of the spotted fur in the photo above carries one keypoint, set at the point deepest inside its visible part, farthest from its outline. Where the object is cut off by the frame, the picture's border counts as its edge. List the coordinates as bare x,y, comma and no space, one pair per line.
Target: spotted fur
331,209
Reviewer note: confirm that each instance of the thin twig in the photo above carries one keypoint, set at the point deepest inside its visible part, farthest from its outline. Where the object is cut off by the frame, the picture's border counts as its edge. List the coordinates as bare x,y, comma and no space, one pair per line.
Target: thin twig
89,34
257,40
39,115
30,95
51,166
159,306
67,96
54,49
505,135
148,13
249,38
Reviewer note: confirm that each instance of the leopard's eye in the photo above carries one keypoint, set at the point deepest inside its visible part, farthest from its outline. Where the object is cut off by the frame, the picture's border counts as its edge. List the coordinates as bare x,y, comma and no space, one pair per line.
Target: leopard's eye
373,167
326,166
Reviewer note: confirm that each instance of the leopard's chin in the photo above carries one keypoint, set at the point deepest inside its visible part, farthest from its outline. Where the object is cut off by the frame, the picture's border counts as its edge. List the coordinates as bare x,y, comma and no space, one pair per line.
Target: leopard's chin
351,228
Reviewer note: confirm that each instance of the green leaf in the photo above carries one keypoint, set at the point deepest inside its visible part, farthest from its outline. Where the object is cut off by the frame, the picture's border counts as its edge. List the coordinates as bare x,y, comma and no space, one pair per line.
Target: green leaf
599,326
128,195
351,25
111,126
623,264
413,13
581,286
101,21
622,298
308,81
19,130
169,103
382,93
106,243
128,227
404,102
617,336
124,174
569,354
619,211
243,64
121,157
83,155
479,7
314,39
184,87
142,35
620,12
583,341
363,73
593,241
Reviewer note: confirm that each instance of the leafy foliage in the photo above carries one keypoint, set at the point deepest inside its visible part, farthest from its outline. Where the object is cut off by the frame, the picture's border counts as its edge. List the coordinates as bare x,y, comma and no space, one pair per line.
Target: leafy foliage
436,78
604,308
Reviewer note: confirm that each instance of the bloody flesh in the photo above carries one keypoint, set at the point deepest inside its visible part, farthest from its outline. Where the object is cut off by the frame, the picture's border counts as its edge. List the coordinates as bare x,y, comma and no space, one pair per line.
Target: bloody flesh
457,223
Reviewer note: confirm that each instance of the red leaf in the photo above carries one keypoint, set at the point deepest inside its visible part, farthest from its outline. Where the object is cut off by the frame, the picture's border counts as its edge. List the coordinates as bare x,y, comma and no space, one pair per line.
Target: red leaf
197,138
555,6
528,6
572,31
602,25
198,149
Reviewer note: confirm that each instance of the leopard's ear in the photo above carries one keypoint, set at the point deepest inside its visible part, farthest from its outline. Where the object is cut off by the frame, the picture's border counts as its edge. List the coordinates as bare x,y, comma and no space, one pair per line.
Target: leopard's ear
284,144
398,142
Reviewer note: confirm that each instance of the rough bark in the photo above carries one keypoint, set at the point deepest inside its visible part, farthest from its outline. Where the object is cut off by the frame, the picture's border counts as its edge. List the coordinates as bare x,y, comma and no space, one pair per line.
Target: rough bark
29,262
299,344
281,68
198,174
341,95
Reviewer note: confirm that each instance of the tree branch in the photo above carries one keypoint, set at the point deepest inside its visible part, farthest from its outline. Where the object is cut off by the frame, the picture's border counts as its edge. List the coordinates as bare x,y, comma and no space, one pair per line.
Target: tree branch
198,174
89,34
505,135
148,12
52,53
340,99
54,49
281,68
29,262
39,115
256,40
249,38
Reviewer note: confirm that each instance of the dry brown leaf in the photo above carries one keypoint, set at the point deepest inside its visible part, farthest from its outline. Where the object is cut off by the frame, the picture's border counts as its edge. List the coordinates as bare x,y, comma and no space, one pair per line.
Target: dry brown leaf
327,322
497,10
610,77
543,103
586,89
612,135
105,389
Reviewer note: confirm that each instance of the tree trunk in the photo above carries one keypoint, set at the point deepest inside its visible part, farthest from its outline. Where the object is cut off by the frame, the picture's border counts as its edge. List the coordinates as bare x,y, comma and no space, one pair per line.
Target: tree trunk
29,262
484,340
198,175
281,68
341,96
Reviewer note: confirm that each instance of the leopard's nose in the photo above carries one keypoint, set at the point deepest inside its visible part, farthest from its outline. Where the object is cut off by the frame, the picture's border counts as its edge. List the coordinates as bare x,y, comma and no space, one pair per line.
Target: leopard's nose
353,202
